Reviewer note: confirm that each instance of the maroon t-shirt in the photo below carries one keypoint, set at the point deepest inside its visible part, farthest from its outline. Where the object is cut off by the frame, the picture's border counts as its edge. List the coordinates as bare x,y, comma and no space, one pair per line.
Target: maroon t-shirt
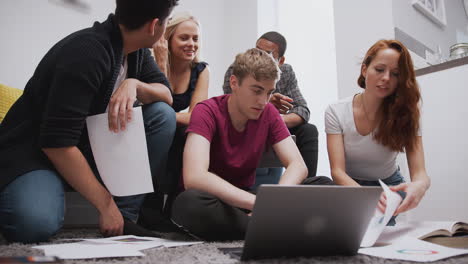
234,156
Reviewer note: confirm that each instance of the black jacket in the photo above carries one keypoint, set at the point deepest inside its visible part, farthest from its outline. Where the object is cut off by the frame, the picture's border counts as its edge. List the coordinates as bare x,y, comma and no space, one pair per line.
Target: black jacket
75,79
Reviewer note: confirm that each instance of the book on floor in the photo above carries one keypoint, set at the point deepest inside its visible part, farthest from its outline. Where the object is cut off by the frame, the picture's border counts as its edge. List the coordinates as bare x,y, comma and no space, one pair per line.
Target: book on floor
446,233
447,229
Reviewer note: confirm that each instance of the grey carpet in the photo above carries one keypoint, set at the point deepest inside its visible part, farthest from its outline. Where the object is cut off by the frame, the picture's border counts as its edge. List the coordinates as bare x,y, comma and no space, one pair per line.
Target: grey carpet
201,253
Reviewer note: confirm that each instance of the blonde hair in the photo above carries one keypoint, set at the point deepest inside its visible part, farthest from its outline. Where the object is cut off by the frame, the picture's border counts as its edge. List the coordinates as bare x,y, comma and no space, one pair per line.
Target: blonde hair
256,63
172,25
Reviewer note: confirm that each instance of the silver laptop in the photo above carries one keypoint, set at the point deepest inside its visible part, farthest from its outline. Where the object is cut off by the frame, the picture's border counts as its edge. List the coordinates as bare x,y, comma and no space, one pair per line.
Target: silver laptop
308,220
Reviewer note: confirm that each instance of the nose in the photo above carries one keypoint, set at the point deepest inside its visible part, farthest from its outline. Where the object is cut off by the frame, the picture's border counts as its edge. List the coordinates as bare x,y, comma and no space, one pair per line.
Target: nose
264,99
386,76
190,42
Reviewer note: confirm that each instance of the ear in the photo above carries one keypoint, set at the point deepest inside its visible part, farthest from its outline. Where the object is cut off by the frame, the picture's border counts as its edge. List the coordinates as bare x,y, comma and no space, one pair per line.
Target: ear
364,70
234,83
152,26
281,61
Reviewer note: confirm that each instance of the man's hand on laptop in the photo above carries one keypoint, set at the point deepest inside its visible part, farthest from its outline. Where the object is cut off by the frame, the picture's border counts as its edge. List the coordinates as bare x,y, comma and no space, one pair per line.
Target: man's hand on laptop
281,102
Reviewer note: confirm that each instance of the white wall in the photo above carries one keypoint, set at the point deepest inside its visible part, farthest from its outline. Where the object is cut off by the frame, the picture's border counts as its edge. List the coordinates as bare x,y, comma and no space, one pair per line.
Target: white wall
224,33
444,130
311,52
30,28
358,25
414,23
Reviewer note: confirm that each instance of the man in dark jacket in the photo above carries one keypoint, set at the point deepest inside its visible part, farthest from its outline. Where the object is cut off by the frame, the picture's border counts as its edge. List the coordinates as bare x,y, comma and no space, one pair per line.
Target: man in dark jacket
43,138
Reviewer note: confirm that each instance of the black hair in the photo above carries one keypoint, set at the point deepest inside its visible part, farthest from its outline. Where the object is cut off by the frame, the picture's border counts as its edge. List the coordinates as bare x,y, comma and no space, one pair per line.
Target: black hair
278,39
133,14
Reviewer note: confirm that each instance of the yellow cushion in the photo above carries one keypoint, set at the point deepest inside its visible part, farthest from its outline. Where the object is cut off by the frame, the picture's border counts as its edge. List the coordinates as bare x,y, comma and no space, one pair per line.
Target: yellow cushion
8,95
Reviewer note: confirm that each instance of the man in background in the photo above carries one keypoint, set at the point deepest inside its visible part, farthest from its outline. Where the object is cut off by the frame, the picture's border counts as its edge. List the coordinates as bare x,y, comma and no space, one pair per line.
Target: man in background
291,104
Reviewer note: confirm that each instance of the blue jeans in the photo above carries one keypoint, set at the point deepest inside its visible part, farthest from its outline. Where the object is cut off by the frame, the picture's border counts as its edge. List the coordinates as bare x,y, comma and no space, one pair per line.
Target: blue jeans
160,126
32,206
267,176
393,180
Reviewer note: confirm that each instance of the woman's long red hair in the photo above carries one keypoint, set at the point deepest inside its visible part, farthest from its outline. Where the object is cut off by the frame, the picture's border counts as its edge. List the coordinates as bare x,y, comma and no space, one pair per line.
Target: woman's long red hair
399,126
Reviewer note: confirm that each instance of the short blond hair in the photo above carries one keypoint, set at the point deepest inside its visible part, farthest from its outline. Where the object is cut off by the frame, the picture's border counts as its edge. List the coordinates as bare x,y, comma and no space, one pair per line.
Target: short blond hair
256,63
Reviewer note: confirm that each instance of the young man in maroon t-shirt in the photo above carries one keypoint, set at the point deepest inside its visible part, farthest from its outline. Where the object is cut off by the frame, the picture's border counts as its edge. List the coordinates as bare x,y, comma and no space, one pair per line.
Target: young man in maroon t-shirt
226,138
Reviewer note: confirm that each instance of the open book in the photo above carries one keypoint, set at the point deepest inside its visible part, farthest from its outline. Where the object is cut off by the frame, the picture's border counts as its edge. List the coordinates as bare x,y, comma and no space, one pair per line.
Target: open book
447,229
452,234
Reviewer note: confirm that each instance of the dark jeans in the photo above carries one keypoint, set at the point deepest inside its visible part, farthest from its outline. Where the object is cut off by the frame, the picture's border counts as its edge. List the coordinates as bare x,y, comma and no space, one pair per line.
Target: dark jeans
169,183
155,210
307,143
207,217
32,206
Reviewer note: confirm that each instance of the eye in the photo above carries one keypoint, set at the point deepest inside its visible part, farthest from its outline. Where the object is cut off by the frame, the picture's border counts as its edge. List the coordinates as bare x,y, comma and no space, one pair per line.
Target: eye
395,74
258,91
379,70
195,39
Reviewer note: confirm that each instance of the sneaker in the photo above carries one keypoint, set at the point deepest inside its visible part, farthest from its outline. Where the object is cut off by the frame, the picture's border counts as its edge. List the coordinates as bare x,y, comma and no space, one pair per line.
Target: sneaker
131,228
152,215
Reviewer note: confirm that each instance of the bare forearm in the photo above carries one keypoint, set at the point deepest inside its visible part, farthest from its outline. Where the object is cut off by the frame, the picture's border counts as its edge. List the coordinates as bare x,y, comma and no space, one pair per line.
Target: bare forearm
292,120
341,178
294,174
422,178
73,166
215,185
153,92
183,119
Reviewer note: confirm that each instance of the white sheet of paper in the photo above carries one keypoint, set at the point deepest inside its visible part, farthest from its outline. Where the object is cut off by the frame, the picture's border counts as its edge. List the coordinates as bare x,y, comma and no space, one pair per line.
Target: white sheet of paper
119,246
121,158
142,242
85,251
379,220
409,248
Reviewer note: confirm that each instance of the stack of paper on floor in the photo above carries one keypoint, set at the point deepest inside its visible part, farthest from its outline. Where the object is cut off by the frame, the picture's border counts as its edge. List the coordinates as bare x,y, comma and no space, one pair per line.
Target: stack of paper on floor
120,246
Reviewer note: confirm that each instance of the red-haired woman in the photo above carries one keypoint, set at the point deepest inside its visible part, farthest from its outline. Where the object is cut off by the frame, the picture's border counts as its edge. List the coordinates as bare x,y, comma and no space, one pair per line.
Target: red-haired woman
366,132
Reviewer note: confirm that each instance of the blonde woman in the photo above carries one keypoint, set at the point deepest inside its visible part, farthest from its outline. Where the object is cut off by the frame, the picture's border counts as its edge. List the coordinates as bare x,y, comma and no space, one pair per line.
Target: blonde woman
178,56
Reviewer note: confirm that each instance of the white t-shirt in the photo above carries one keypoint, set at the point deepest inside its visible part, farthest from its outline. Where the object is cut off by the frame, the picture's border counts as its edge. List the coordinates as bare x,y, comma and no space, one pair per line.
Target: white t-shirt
120,78
365,159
